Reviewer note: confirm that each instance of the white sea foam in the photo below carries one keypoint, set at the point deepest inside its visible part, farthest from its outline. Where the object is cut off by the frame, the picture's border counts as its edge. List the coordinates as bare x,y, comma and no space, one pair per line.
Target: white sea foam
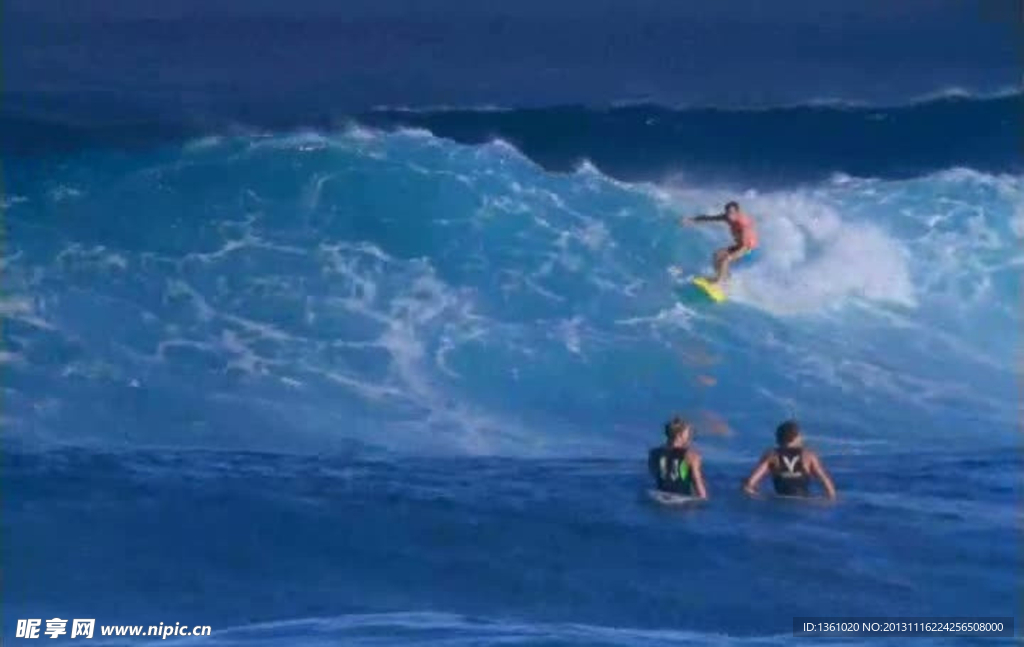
812,257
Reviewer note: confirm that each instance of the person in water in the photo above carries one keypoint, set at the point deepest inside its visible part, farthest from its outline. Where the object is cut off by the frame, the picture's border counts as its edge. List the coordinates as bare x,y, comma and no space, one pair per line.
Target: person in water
744,237
791,465
676,465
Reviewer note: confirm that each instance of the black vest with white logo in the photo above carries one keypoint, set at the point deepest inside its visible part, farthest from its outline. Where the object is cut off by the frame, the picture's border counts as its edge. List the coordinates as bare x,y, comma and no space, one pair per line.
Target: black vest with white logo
790,474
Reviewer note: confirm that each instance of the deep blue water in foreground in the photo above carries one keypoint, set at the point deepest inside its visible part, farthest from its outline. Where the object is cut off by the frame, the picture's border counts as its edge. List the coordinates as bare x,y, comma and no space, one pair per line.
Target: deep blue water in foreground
288,550
293,354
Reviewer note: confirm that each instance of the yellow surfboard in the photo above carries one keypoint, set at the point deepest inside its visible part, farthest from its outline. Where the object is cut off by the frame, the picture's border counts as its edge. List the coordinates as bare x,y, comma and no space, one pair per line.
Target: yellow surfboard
713,291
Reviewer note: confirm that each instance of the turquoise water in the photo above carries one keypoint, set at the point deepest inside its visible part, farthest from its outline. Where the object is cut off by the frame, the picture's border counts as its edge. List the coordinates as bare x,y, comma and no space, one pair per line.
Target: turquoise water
368,387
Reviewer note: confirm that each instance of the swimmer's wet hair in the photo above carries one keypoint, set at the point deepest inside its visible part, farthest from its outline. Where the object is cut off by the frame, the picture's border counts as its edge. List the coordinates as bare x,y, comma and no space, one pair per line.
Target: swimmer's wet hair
787,432
676,426
731,204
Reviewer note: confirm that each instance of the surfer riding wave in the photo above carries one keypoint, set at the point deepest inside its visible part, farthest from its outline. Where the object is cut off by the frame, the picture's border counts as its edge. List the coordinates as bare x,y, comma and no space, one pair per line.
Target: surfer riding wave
744,237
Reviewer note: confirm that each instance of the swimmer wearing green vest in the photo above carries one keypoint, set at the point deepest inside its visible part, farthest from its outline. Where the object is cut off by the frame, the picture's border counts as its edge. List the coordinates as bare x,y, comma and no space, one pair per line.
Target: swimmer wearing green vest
676,465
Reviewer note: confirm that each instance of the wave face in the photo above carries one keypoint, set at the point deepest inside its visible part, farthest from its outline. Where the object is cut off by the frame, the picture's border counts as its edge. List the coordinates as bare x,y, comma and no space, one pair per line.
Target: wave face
328,388
263,292
765,147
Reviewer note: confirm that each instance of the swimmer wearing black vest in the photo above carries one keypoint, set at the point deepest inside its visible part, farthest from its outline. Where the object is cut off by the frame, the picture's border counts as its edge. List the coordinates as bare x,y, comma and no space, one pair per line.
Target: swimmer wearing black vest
676,465
791,465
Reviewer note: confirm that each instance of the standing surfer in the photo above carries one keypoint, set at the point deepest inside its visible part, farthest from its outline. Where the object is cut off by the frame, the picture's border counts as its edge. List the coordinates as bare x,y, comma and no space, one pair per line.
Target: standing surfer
744,238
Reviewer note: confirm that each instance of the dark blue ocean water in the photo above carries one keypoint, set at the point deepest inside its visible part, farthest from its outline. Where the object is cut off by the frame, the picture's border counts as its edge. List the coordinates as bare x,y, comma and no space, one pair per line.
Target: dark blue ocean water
765,147
312,370
345,550
138,59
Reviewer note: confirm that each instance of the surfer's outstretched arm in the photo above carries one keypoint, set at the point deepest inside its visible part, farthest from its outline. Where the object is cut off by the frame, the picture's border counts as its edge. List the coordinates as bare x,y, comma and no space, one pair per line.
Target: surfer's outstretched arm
691,219
750,485
817,469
